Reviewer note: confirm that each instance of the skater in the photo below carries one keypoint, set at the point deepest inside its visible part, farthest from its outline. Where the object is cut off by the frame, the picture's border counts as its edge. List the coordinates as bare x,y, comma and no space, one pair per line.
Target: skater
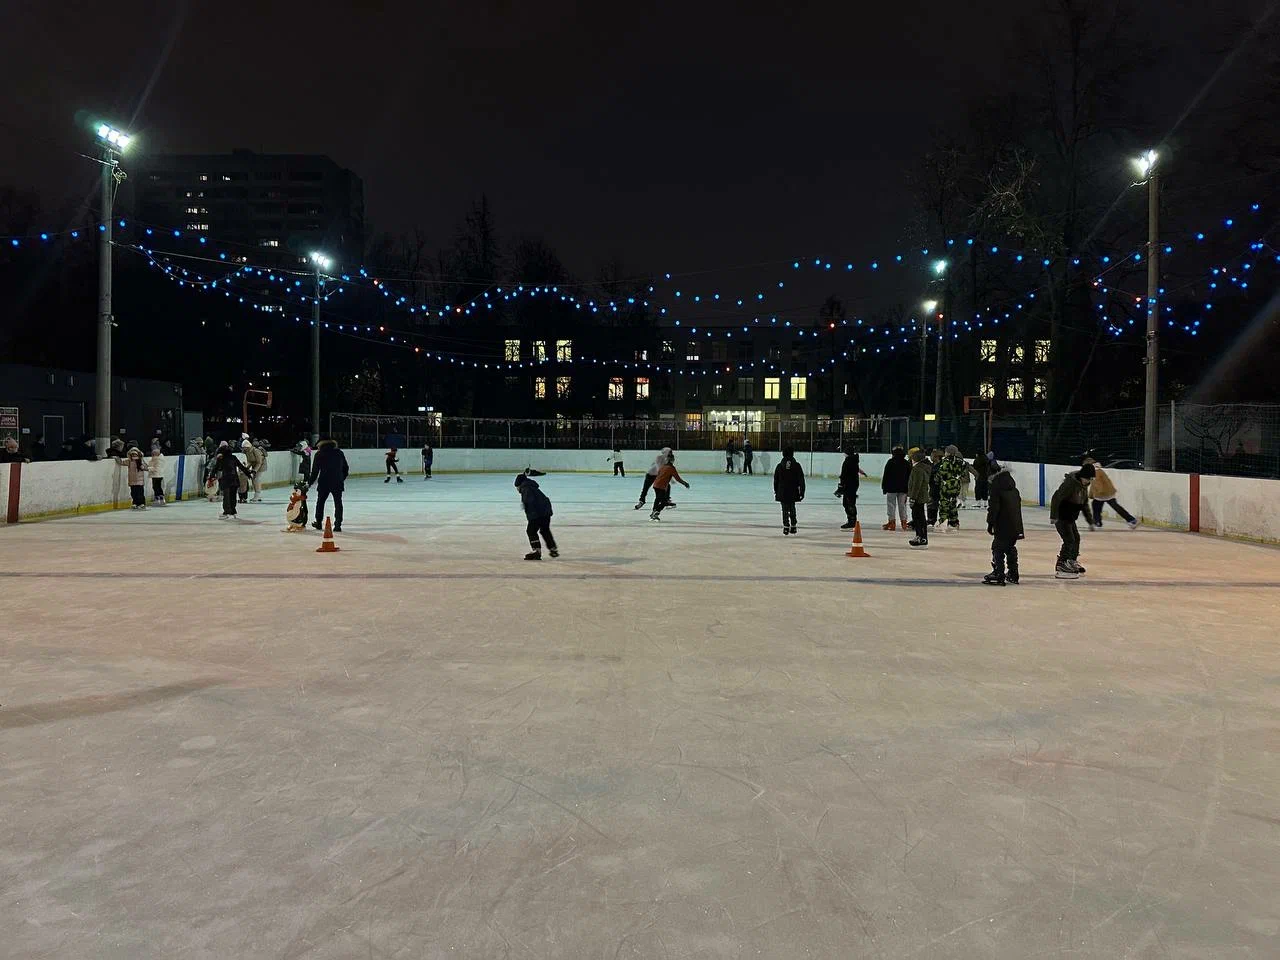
1103,491
894,484
788,488
1004,523
156,468
935,495
850,473
137,477
392,460
252,460
729,450
747,456
918,490
662,484
295,514
304,451
537,510
329,471
428,455
1068,503
228,469
618,470
652,474
10,453
951,471
983,464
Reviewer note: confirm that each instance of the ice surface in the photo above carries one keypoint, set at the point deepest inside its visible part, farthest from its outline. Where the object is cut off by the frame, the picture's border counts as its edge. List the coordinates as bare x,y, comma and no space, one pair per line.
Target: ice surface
689,739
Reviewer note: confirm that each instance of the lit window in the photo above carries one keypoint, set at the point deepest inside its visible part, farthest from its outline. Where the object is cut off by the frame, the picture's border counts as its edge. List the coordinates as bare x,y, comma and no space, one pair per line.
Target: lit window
988,351
616,389
539,349
539,388
693,421
196,210
772,387
198,227
717,390
692,352
225,178
1040,389
564,351
668,348
268,243
987,390
642,354
799,388
1017,353
746,388
511,351
1042,351
1014,390
204,178
562,387
642,388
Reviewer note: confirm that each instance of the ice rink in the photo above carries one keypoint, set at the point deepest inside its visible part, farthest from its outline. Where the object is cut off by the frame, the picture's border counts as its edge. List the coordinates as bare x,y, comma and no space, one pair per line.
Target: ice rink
693,739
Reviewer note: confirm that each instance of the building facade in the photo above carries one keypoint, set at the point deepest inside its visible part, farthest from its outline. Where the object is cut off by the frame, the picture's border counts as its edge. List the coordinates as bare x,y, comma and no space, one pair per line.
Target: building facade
276,207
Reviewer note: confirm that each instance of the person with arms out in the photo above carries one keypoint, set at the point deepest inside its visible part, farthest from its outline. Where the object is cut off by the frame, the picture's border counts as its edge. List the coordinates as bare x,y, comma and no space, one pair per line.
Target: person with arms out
894,480
918,491
788,488
137,477
1004,523
537,510
662,485
652,474
1068,502
228,469
616,458
328,475
1103,491
393,459
850,473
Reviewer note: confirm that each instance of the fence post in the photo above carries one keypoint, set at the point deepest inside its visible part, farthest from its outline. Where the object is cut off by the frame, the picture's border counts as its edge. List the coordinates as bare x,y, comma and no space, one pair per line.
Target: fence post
612,445
508,434
544,434
376,434
473,433
1173,437
579,433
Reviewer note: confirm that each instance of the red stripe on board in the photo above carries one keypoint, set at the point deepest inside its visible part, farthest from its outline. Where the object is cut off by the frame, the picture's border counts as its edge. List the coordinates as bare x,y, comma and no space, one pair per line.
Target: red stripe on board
15,487
1195,503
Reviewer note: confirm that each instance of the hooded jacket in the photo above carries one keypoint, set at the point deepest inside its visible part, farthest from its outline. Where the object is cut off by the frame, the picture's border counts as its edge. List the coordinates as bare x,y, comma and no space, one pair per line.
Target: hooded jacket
328,467
1004,507
137,468
1101,487
788,482
850,474
227,466
537,506
951,474
896,476
1068,500
918,487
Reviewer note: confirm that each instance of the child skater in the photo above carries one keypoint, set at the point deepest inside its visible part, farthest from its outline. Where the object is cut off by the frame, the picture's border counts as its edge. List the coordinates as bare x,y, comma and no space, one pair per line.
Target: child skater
652,474
1065,508
662,485
137,477
156,469
392,460
788,488
428,456
618,470
537,510
919,492
1004,523
228,468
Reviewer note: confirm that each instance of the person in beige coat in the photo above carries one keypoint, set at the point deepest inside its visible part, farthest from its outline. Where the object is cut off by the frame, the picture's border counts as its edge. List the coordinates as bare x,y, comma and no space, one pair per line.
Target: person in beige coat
1103,490
137,476
155,466
254,459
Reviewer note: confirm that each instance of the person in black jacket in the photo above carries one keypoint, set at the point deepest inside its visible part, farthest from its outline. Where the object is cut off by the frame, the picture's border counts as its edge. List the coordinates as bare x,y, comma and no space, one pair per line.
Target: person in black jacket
894,481
537,510
1064,509
848,489
788,488
328,474
729,450
983,466
227,467
1004,523
747,456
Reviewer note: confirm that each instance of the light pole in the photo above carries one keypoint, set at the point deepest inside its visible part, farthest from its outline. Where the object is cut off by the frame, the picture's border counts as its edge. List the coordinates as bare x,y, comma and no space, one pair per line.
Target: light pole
113,143
929,307
1146,165
321,263
940,273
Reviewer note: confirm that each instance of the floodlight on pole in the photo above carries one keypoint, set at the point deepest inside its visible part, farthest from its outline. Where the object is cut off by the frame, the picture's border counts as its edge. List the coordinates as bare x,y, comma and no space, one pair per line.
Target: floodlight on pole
321,263
930,306
113,139
113,144
940,267
1145,164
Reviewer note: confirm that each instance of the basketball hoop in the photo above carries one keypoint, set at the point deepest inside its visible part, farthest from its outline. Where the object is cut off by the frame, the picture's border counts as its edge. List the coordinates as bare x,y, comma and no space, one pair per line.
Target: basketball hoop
254,398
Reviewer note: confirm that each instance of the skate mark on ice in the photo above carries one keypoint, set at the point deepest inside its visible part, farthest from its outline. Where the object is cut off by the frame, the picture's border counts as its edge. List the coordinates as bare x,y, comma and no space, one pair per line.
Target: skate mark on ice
556,803
37,713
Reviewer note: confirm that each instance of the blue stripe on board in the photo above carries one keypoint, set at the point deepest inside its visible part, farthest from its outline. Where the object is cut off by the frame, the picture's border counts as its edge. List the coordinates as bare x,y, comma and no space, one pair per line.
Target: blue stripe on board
182,469
1042,484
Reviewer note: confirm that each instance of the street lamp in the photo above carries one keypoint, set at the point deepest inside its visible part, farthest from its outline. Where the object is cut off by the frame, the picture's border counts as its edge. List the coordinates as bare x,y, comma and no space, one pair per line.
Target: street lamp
940,267
321,263
113,143
1146,167
929,307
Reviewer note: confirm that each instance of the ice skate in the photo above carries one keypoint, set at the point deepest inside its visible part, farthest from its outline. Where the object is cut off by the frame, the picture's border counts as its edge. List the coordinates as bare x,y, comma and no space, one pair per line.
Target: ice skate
640,505
891,525
316,524
993,579
388,480
654,517
1132,524
917,542
399,479
1075,565
1012,578
849,526
555,553
1064,571
786,531
337,528
533,555
793,529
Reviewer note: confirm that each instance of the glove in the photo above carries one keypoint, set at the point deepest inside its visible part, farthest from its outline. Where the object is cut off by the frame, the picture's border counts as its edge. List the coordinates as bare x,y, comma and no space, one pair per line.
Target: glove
839,492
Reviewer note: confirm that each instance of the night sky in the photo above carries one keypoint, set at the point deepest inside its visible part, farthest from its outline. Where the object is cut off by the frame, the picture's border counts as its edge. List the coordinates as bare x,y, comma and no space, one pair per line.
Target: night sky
675,137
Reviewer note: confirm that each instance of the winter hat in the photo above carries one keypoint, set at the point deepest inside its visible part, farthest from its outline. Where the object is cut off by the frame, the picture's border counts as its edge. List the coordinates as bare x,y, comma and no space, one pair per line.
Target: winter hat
521,479
133,450
788,453
953,450
1087,472
1091,461
224,445
917,455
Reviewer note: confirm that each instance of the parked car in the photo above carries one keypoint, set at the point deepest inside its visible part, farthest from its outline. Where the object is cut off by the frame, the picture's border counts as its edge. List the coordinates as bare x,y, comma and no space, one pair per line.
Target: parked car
1123,465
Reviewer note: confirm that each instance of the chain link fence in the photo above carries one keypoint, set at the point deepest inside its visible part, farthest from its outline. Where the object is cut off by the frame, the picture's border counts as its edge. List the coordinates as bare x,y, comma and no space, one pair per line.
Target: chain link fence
1227,439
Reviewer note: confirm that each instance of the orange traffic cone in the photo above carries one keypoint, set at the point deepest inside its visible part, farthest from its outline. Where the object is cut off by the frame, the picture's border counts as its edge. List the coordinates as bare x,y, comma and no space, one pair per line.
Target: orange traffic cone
328,546
855,548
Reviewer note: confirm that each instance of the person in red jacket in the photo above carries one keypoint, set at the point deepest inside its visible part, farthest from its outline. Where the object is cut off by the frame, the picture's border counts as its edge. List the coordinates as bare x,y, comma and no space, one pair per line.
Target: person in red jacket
662,485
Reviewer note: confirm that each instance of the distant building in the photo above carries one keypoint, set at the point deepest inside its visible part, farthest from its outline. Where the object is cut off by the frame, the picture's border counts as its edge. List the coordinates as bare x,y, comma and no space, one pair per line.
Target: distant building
276,208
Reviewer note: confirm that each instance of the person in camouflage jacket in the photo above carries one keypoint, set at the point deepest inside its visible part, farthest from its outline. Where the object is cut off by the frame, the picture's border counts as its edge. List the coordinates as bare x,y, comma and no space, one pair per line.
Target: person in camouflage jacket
951,473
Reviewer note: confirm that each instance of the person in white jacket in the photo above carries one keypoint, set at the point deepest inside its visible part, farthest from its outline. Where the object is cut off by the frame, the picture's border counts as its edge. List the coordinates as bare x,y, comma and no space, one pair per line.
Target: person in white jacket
652,474
156,468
